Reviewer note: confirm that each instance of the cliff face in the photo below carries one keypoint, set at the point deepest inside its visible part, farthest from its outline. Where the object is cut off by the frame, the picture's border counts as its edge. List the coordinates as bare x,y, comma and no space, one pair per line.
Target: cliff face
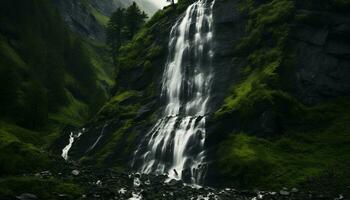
322,56
279,98
286,76
83,18
88,18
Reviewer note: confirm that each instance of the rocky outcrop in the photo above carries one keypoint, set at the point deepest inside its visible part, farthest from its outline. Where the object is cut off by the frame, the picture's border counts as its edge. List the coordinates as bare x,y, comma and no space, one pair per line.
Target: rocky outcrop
322,67
229,26
318,44
80,19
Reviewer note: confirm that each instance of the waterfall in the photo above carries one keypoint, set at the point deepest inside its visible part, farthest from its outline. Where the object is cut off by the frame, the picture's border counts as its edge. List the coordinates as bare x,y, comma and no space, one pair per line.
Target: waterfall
175,144
98,139
72,137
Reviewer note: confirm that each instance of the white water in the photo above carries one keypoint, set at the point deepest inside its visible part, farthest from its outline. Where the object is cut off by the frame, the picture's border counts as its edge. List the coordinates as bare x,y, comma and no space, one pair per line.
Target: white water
176,142
72,138
98,139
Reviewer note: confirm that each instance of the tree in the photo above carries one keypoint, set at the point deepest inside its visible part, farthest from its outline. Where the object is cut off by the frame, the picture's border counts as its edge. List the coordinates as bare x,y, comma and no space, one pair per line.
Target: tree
116,33
122,26
135,18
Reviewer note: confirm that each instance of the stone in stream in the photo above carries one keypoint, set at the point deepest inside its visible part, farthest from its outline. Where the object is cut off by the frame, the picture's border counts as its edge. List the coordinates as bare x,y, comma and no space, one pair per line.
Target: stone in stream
98,183
27,196
75,172
284,192
294,190
147,182
137,182
65,196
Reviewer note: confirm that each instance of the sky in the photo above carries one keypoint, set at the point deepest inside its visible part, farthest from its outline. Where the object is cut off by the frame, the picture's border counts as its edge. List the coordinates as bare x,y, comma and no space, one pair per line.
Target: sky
159,3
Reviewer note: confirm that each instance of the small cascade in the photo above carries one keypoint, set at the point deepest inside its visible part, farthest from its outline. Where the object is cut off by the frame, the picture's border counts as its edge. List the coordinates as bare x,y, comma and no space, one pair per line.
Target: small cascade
98,139
175,145
72,137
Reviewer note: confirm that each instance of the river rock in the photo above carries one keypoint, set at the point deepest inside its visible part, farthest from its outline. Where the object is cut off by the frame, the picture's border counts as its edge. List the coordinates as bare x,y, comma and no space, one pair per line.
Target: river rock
284,193
75,172
27,196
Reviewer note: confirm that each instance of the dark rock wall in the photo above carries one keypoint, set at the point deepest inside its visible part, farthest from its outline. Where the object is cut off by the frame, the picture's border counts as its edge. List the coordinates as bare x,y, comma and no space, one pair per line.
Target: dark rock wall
319,45
322,68
229,26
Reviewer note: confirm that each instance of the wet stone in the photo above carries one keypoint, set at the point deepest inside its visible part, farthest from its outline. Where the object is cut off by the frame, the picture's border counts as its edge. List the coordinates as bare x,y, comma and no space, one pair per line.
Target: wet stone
27,196
75,172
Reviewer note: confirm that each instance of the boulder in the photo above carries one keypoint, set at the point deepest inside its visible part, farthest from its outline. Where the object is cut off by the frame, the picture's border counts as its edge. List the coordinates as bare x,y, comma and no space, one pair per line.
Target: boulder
75,172
27,196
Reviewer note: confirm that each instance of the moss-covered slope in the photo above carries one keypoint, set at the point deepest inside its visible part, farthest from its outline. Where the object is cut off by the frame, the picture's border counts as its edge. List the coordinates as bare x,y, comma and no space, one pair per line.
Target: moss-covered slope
277,126
49,78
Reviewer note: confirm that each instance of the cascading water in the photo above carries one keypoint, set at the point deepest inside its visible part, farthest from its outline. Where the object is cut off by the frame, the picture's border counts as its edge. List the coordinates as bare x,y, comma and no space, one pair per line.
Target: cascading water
175,145
98,139
72,137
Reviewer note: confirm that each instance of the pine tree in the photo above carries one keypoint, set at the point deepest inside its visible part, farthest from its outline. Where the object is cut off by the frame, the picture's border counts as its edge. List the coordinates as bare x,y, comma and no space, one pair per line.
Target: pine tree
135,18
122,26
116,32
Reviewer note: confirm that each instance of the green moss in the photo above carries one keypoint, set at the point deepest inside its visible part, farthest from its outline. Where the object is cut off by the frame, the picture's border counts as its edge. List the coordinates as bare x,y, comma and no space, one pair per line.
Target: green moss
43,188
293,158
75,113
101,60
119,144
113,108
264,48
9,55
135,52
252,90
246,160
147,48
19,157
312,140
102,19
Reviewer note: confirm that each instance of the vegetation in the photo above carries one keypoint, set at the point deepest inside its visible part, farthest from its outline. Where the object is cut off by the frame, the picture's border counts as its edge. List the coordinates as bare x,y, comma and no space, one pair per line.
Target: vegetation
294,157
309,143
144,52
44,188
49,78
266,51
122,26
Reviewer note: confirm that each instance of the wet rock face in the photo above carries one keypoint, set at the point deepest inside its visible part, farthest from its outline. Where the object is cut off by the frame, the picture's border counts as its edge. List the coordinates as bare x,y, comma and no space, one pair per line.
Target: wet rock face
26,196
322,67
229,26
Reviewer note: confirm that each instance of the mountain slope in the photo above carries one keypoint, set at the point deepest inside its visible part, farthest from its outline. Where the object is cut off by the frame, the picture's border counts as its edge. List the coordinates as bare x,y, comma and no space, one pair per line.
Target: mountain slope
279,109
279,103
89,17
50,78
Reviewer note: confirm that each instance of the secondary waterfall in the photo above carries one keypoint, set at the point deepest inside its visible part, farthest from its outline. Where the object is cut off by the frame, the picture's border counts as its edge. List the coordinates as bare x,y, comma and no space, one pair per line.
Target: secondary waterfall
72,137
175,145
